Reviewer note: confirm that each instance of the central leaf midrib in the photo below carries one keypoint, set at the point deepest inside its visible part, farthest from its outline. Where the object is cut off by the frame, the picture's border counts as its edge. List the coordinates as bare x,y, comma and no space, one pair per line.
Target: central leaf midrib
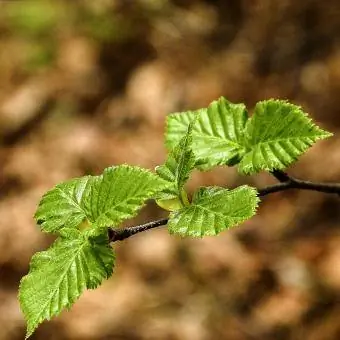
218,138
213,212
182,162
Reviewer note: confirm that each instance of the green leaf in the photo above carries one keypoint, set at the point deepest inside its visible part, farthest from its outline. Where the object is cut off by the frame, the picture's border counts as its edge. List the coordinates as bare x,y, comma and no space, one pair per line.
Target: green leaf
63,206
214,210
276,135
176,172
99,201
170,204
177,125
59,275
217,133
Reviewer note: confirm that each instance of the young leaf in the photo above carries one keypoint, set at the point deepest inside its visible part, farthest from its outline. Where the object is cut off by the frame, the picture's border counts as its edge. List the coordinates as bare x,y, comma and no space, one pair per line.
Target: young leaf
60,274
177,125
217,133
214,210
101,201
176,171
170,204
63,205
276,135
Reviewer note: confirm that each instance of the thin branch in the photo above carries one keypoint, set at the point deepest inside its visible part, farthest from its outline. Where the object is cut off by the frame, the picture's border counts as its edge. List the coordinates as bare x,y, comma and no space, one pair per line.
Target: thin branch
280,176
123,233
293,183
270,189
286,183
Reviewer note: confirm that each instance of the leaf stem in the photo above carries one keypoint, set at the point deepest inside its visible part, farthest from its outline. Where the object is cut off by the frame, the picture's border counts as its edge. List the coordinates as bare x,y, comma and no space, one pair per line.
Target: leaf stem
286,183
184,198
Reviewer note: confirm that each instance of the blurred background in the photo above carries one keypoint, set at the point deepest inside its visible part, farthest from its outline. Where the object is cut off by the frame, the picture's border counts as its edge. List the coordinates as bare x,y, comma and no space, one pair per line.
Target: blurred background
87,84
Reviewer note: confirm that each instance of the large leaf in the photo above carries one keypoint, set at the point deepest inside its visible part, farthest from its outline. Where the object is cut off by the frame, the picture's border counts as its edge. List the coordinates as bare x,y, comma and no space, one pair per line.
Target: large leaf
217,133
214,210
176,172
276,135
101,201
60,274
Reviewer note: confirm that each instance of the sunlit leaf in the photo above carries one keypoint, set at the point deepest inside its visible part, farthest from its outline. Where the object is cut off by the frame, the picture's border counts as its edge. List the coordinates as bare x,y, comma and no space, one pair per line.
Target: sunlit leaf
217,133
59,275
214,210
102,201
276,135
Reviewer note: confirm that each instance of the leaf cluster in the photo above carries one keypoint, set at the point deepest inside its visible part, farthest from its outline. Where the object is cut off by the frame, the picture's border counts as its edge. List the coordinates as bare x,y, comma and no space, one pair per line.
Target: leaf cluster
81,211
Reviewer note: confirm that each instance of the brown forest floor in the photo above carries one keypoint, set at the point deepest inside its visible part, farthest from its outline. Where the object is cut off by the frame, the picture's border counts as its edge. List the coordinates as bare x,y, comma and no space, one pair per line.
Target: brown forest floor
85,85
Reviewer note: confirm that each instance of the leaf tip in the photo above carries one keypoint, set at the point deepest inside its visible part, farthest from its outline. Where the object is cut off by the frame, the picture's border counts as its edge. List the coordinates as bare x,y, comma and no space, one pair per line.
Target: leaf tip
29,332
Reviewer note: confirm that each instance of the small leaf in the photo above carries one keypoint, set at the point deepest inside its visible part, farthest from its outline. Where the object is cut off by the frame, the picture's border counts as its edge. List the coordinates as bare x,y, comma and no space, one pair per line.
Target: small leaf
214,210
175,203
102,201
176,171
217,133
276,135
60,274
170,204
